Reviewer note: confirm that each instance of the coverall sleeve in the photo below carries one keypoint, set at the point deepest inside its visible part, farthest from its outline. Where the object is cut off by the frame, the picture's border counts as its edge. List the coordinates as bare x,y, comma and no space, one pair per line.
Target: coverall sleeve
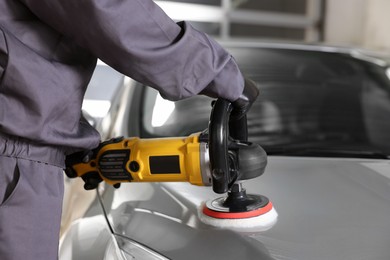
138,39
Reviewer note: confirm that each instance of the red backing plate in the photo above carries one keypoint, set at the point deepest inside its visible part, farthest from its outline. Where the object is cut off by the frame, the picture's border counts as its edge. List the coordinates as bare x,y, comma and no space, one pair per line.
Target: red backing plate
237,215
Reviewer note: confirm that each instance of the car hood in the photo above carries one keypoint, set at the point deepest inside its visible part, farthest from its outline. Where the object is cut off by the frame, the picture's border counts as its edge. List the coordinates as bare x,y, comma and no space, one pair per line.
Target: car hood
328,209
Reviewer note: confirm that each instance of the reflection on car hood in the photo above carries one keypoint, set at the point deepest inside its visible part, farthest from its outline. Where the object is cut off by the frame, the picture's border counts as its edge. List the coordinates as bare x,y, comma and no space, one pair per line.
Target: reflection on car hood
328,209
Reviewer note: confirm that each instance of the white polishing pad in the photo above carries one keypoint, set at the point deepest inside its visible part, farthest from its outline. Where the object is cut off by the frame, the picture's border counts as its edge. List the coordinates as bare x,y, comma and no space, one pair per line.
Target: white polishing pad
253,224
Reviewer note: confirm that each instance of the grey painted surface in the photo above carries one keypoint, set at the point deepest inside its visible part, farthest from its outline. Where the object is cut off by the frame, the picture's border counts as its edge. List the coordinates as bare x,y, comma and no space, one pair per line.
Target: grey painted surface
328,209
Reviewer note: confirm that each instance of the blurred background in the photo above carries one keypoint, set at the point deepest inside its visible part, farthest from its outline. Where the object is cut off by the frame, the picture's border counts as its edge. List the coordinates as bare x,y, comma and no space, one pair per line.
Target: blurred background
350,23
358,23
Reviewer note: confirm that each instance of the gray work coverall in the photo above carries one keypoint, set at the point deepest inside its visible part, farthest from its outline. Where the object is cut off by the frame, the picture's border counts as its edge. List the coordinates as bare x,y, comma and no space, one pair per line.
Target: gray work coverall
48,52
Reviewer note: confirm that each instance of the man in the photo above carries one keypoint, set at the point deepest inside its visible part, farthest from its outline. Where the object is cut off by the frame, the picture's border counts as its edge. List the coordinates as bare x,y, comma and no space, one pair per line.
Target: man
48,51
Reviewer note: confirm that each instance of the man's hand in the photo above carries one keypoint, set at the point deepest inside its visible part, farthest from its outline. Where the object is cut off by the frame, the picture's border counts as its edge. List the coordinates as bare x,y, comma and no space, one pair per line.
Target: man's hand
91,179
242,105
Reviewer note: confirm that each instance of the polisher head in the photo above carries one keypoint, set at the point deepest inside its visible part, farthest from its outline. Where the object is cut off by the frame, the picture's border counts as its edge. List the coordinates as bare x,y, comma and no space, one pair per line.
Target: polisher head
239,211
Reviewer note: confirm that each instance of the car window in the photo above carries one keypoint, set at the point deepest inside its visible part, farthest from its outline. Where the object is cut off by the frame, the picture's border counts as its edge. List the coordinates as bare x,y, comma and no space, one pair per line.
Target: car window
166,118
310,103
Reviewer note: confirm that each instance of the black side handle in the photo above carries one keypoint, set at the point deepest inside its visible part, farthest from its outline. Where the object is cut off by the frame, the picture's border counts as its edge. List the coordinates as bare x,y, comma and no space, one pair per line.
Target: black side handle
222,129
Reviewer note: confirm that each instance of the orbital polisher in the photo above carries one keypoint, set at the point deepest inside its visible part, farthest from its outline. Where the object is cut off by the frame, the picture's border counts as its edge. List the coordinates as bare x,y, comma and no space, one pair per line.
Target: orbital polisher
232,160
220,156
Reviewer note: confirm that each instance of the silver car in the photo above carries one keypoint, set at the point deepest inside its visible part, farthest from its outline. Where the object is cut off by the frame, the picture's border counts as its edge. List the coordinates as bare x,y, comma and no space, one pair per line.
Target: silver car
323,116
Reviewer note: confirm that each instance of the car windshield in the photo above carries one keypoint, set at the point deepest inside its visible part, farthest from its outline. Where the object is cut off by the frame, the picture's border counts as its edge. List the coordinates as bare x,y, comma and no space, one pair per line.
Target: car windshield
311,104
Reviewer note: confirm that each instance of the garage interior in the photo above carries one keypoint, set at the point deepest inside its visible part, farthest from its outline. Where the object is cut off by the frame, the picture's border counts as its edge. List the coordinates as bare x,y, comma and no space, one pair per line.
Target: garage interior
358,23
